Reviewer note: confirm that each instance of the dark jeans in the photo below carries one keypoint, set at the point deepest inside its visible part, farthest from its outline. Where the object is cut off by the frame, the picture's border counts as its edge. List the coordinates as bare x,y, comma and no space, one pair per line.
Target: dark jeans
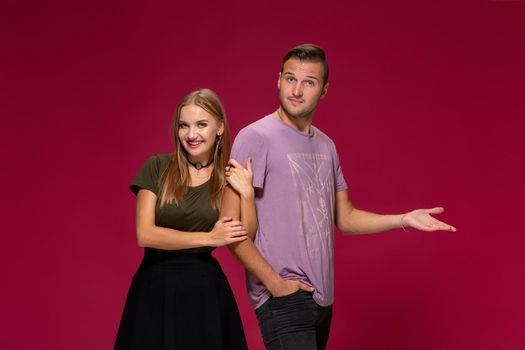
294,321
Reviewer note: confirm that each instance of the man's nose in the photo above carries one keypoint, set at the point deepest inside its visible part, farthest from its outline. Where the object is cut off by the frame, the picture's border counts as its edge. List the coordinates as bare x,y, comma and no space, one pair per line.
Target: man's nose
297,90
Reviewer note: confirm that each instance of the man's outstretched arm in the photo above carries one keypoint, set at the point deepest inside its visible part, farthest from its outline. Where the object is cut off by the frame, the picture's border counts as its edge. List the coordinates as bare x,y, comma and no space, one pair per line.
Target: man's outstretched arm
350,220
250,257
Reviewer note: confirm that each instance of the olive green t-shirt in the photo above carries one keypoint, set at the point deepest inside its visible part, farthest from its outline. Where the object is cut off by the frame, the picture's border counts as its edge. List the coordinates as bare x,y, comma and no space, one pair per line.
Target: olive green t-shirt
194,214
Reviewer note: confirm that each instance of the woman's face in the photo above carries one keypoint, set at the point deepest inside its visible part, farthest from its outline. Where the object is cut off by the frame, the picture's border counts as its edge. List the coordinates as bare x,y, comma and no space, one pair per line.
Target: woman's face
197,131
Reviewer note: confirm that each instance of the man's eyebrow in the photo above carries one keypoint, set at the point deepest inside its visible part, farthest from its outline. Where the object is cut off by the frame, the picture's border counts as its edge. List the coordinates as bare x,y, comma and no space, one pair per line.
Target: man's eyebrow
308,76
313,77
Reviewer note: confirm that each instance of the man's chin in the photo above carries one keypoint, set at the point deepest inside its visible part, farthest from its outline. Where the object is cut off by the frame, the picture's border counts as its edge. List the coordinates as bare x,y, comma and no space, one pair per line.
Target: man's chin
294,113
299,115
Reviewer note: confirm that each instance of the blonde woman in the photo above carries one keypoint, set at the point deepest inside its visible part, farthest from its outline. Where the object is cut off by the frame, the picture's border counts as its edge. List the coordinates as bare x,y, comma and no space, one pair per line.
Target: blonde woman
179,298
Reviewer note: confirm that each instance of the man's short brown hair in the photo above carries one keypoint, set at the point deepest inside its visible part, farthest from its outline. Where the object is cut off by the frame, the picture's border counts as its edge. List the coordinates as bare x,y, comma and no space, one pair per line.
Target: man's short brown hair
308,53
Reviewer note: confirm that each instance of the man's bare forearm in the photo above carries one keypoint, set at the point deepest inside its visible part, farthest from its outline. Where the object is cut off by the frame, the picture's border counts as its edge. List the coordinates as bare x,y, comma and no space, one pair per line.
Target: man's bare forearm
252,260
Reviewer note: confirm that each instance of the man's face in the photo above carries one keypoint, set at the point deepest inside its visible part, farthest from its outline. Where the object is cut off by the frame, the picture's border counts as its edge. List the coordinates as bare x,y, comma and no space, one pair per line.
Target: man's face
301,87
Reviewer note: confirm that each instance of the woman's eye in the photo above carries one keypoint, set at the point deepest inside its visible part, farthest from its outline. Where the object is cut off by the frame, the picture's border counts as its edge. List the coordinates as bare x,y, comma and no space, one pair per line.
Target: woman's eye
182,126
202,125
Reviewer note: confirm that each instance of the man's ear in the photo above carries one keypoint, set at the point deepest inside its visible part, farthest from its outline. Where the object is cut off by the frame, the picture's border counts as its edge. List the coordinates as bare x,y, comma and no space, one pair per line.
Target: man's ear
325,90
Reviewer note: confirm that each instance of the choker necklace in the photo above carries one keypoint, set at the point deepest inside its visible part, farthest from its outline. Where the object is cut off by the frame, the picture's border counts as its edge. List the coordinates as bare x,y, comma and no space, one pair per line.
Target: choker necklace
199,165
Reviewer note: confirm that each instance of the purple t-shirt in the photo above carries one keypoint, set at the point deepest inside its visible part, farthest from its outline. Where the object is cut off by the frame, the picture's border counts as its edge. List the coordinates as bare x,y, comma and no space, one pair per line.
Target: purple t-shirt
296,176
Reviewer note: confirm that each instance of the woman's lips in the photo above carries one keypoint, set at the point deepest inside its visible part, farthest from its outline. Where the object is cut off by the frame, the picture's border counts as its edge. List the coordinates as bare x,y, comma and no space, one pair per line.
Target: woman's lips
193,144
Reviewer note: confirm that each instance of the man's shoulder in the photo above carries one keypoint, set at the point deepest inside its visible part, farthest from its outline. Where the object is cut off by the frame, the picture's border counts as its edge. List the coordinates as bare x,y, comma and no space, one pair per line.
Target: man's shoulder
260,123
321,136
258,128
253,138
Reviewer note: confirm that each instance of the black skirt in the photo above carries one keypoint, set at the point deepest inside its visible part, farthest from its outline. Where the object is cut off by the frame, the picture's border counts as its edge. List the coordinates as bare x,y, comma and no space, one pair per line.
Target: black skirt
180,301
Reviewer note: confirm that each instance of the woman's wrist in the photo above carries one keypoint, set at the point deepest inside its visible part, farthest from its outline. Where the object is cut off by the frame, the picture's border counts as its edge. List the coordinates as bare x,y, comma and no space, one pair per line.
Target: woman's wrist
248,194
206,239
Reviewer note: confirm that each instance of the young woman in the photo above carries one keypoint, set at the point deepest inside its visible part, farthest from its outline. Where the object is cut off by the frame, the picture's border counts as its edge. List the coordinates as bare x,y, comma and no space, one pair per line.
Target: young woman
179,298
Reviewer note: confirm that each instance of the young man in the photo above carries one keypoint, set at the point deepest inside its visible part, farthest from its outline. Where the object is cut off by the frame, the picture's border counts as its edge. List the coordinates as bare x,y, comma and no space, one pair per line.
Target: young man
300,194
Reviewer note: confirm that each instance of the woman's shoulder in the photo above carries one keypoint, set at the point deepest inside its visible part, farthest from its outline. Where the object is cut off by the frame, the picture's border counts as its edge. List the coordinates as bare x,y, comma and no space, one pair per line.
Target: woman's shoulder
163,157
156,164
150,173
159,160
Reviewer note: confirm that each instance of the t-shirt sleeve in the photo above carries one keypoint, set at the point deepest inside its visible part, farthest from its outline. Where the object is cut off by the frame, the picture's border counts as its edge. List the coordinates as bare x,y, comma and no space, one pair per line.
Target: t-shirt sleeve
148,176
340,183
249,143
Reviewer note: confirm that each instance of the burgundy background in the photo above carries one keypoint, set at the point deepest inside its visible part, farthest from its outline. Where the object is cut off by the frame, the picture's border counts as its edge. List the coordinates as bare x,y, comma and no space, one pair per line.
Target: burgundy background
426,106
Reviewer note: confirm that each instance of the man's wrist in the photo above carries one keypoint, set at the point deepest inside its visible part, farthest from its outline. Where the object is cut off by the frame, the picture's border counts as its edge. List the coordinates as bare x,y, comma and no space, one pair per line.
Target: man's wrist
402,224
273,284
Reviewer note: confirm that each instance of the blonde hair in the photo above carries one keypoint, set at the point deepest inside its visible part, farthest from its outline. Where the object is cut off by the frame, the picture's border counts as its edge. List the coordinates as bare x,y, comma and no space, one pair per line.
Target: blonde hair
176,178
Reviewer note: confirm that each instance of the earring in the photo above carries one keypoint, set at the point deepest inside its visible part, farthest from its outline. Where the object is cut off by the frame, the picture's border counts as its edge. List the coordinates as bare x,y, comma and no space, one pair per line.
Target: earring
218,142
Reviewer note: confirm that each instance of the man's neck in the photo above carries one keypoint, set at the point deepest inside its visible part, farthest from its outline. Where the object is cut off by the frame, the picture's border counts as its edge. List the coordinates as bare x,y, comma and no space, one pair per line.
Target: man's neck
301,124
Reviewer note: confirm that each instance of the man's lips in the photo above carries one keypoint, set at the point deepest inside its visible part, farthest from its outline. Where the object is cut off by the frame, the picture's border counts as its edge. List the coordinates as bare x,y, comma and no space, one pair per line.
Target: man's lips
295,100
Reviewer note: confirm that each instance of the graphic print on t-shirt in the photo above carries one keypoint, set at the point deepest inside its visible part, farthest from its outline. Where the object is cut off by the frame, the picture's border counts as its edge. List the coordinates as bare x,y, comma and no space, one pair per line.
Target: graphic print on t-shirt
313,178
